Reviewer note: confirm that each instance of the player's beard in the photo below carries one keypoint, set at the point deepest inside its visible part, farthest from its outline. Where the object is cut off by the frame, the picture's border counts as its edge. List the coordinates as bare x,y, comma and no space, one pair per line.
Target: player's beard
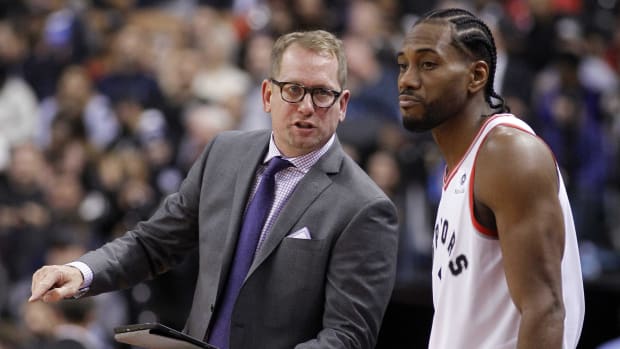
433,115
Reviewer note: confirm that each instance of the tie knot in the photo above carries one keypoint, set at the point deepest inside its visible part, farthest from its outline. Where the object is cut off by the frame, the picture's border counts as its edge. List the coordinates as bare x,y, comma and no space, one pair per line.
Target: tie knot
275,165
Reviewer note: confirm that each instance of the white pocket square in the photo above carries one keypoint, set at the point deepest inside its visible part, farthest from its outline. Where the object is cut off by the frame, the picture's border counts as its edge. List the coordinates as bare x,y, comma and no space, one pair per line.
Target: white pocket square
302,233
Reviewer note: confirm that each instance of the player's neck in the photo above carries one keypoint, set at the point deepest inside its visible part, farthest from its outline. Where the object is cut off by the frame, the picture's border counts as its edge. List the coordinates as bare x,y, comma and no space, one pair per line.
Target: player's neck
455,136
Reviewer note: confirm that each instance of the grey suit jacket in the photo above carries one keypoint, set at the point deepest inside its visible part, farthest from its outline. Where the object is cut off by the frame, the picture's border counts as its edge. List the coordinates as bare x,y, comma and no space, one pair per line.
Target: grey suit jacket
327,292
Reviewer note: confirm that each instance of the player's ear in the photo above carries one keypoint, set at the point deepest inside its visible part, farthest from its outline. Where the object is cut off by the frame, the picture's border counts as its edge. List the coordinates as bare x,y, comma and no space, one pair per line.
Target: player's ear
478,75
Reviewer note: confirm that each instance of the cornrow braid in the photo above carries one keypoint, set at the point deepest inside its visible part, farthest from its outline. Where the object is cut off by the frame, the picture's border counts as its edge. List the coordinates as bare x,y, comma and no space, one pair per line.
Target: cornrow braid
473,37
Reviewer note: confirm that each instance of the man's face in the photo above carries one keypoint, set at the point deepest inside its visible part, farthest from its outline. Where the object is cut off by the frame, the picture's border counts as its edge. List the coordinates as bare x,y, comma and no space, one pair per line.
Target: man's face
433,77
301,127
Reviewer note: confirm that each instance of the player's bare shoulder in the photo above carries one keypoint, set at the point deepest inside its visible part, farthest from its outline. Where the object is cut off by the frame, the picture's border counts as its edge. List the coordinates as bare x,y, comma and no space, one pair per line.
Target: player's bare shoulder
508,149
513,162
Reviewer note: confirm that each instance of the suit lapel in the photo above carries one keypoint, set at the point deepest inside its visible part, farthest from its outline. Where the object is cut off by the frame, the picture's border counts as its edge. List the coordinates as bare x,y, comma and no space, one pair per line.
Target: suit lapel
245,174
306,192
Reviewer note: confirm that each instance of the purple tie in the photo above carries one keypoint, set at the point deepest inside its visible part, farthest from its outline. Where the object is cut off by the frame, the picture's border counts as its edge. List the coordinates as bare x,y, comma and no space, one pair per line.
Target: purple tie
255,217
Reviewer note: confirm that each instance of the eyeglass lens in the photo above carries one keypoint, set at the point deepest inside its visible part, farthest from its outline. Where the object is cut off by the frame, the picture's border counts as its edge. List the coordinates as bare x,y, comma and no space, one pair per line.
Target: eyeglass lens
295,93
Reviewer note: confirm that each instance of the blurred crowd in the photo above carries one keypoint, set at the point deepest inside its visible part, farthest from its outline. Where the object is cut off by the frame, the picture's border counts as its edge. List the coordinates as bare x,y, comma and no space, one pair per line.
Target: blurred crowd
104,105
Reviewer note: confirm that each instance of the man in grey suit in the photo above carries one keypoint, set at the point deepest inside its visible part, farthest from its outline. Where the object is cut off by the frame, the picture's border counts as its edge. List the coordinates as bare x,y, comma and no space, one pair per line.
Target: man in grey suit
323,269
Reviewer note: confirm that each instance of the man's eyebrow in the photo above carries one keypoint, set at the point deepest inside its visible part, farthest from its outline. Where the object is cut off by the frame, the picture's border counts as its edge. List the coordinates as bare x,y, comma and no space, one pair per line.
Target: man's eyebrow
426,50
419,50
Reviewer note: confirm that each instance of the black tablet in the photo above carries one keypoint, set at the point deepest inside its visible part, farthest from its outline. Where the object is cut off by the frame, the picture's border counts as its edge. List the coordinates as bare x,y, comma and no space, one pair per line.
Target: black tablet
157,336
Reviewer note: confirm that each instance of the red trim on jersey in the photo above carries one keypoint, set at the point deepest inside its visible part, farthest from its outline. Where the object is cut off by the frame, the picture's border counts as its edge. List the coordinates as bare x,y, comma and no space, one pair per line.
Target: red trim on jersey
481,228
447,177
477,225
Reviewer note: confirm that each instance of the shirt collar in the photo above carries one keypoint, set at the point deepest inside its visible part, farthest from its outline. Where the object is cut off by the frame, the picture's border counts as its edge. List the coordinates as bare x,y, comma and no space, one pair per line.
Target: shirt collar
303,162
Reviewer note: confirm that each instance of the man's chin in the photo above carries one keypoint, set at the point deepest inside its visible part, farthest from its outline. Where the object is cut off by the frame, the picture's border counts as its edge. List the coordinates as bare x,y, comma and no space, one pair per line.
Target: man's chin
413,125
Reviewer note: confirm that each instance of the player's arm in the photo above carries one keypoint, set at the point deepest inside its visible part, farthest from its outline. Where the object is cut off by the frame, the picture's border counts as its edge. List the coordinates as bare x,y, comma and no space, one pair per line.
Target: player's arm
517,180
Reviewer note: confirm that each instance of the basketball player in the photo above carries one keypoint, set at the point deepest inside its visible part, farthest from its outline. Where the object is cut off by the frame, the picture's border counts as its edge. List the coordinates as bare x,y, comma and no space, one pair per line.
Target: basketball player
506,270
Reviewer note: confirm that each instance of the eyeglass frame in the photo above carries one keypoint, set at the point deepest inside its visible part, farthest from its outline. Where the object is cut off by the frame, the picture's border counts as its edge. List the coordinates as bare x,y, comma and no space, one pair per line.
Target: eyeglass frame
307,90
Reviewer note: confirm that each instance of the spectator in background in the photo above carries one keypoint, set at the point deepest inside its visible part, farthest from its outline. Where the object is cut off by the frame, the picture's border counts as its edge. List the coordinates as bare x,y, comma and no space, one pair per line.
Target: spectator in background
24,212
594,71
313,14
175,76
78,101
570,121
36,326
103,211
139,124
219,80
417,160
146,131
513,78
64,196
74,159
60,38
71,330
541,34
136,199
366,20
203,122
113,203
18,102
369,44
280,19
384,170
373,96
131,74
256,61
383,167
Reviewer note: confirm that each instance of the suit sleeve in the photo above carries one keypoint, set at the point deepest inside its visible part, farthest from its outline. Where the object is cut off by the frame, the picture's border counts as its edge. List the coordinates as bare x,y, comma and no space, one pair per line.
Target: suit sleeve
360,279
155,245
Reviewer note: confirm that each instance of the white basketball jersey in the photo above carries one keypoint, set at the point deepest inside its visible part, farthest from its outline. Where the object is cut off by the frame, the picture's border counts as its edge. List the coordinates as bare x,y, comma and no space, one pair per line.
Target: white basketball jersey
473,308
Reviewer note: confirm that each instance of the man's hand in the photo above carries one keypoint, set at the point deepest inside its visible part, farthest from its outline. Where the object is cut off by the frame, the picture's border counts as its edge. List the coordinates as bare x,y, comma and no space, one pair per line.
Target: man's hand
55,282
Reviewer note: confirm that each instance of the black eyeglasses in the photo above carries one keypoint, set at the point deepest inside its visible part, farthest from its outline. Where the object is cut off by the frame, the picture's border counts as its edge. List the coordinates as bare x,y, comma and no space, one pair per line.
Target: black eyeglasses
294,93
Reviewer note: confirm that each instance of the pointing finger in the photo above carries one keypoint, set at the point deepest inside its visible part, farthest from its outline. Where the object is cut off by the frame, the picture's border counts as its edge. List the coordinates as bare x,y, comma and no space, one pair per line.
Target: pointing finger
52,283
42,281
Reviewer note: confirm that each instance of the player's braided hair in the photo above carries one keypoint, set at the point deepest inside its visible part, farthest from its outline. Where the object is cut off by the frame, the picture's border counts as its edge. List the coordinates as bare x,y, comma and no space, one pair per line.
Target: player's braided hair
474,38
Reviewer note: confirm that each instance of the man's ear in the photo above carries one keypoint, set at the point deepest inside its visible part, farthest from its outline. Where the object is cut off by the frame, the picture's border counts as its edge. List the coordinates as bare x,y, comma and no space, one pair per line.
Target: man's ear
266,93
479,75
343,103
